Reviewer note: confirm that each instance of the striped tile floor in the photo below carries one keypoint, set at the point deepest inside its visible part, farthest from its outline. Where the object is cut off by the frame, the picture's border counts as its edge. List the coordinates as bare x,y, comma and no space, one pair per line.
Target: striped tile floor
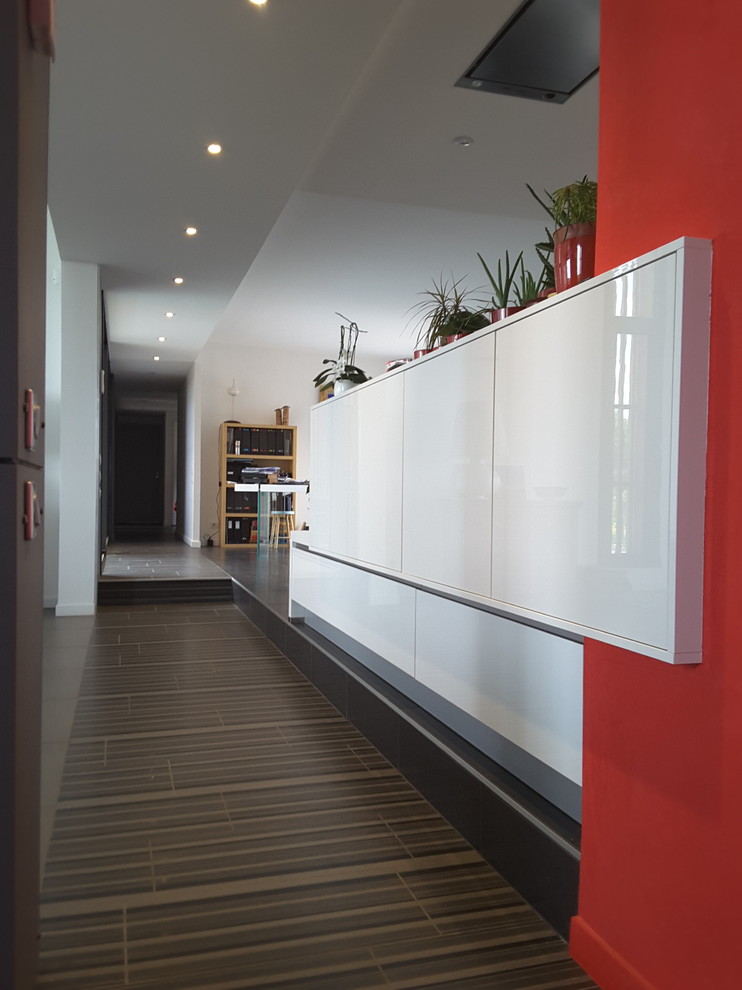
220,826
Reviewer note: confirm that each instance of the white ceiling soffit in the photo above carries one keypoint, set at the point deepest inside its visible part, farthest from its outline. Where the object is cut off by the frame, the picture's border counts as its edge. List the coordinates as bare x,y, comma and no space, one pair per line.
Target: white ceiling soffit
345,101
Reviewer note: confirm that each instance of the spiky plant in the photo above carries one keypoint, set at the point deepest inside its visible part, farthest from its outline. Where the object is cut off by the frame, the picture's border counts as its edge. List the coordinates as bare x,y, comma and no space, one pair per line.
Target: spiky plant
502,285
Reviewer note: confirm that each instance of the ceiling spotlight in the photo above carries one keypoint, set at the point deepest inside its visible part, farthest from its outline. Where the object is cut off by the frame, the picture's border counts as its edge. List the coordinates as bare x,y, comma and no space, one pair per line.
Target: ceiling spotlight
463,140
258,3
191,231
156,357
162,339
214,149
170,314
179,280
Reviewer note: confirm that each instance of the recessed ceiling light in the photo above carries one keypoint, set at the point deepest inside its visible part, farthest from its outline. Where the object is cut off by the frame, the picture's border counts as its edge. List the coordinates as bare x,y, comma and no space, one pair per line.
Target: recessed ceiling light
214,149
170,314
191,231
258,3
179,280
156,357
162,339
463,140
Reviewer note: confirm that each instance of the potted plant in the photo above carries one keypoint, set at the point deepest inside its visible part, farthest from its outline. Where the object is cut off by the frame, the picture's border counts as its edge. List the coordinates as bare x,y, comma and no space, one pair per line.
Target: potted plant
528,290
573,208
442,315
461,323
502,302
343,372
545,252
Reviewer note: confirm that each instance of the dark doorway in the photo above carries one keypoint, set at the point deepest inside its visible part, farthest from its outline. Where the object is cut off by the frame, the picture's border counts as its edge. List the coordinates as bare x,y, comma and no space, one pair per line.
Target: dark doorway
139,469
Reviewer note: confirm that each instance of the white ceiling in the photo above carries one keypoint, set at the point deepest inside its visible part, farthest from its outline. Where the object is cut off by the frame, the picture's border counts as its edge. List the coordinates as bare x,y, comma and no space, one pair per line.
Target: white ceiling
339,188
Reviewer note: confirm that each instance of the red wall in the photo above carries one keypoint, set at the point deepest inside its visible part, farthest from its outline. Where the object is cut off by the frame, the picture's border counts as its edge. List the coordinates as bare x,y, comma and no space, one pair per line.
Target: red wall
661,880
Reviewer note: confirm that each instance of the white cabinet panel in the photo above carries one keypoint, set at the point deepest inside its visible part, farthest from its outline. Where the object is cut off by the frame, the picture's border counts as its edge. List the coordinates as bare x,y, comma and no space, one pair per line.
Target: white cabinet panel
583,482
374,475
320,473
376,612
447,487
328,455
523,683
589,514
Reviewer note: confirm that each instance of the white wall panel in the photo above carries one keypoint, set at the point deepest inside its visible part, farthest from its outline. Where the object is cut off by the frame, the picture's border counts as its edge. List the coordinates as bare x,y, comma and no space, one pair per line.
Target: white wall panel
523,683
446,520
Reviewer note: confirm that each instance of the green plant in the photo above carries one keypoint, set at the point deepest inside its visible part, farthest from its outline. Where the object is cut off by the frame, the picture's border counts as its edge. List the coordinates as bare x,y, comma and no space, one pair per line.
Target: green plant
344,366
527,288
502,286
545,252
464,321
574,203
442,313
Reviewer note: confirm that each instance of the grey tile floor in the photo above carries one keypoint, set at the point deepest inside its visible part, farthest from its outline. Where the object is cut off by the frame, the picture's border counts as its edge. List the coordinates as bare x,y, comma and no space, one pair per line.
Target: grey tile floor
158,559
219,826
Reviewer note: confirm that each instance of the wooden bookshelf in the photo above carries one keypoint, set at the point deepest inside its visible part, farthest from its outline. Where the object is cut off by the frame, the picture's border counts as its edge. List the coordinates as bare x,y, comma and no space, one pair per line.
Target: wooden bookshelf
242,445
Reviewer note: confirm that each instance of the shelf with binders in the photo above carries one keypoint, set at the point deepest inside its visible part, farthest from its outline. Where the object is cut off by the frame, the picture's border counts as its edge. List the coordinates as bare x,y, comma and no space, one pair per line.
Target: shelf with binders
269,451
244,440
241,530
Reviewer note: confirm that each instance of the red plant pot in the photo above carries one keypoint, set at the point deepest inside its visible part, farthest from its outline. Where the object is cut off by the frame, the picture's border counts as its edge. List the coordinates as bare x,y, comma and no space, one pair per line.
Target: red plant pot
502,314
574,255
422,352
450,339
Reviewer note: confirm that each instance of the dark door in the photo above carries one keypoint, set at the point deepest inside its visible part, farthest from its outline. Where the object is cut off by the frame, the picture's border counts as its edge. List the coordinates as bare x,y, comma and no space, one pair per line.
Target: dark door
24,84
139,469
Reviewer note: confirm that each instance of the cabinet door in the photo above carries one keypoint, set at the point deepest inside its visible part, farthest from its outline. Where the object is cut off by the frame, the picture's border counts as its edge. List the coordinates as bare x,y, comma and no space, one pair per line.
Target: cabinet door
523,683
447,486
374,474
375,612
328,506
319,471
582,509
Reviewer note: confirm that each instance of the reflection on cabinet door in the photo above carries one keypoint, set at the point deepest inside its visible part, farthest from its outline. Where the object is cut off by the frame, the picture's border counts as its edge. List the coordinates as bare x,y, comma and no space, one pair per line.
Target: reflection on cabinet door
447,499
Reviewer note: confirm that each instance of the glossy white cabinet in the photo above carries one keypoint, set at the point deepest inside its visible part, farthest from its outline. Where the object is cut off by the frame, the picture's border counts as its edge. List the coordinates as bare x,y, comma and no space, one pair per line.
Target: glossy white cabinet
553,465
587,458
583,406
374,472
523,683
447,499
321,487
373,611
328,499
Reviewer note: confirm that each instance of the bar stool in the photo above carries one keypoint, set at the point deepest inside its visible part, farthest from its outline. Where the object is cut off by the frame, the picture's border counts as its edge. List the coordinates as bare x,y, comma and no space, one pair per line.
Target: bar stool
281,525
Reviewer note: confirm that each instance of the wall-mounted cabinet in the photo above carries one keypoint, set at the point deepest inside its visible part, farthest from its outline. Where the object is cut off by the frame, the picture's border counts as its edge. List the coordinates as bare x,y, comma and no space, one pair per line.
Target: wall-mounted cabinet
249,445
447,496
552,466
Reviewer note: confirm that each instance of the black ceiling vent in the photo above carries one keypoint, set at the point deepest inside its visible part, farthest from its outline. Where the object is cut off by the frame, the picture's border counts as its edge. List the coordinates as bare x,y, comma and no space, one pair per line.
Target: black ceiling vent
546,51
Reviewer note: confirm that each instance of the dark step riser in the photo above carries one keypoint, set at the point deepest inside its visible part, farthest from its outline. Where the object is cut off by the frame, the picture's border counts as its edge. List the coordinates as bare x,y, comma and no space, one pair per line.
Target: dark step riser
163,592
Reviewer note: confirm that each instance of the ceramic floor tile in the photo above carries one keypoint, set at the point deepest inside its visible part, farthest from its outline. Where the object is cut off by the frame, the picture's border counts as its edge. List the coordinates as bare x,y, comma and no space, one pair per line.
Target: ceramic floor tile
221,827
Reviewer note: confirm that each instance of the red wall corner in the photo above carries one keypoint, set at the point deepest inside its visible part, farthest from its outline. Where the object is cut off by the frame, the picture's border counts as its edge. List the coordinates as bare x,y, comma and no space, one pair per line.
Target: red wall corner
599,960
661,869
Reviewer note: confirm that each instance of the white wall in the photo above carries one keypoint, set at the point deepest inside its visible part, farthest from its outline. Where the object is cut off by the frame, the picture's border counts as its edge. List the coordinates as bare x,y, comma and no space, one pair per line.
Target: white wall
51,415
79,424
189,459
267,378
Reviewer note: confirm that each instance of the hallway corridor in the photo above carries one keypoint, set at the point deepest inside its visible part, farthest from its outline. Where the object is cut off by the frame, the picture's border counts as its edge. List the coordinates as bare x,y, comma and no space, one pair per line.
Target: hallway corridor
221,826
